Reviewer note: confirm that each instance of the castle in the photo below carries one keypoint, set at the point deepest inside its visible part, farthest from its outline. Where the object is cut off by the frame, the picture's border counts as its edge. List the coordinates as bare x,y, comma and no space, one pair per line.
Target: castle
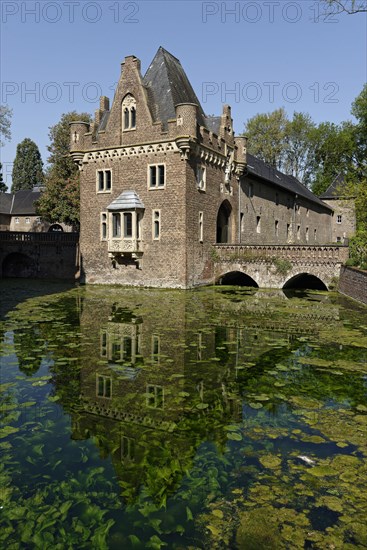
161,183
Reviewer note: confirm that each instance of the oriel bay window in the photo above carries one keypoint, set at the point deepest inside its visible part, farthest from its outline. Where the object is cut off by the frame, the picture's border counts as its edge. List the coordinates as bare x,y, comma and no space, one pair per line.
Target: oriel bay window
125,216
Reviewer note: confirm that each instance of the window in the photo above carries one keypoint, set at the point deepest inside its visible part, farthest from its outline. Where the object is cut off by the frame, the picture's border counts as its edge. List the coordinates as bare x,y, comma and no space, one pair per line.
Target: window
201,177
307,234
104,181
155,396
156,347
128,112
28,220
338,239
116,225
16,220
128,225
277,198
288,230
276,227
156,224
104,343
258,224
103,226
315,234
201,227
339,218
308,212
298,232
104,386
250,190
127,448
156,176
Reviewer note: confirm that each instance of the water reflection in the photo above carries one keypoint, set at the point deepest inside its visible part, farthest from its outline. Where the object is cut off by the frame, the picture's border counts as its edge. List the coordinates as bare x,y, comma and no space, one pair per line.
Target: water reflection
204,403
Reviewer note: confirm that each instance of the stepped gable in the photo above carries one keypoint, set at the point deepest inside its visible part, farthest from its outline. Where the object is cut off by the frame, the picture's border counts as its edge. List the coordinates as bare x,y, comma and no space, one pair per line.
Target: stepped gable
167,85
260,169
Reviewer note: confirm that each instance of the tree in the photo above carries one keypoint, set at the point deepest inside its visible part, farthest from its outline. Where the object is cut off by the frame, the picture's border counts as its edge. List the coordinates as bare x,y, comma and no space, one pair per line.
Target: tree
5,122
359,110
333,7
28,166
60,200
3,187
266,135
299,147
334,150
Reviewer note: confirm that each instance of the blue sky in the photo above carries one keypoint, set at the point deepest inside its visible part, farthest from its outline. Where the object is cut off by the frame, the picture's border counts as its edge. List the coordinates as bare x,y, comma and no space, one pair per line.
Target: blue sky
256,55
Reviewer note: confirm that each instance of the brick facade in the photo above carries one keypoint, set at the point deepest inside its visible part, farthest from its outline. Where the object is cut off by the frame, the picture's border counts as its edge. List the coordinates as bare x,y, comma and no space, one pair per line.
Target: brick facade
353,283
212,190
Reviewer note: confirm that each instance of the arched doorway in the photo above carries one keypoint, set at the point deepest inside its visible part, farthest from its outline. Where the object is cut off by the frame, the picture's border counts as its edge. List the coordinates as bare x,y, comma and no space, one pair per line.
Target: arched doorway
17,264
237,278
223,223
305,281
55,228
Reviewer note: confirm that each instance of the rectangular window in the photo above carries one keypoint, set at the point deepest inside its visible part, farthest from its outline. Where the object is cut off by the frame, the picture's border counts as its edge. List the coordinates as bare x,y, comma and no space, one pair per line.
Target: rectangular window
156,224
258,224
156,347
338,239
155,396
104,343
250,190
308,212
276,228
339,218
116,225
104,386
298,232
307,234
103,226
16,220
288,230
315,234
128,225
277,198
104,181
28,220
201,177
201,227
157,178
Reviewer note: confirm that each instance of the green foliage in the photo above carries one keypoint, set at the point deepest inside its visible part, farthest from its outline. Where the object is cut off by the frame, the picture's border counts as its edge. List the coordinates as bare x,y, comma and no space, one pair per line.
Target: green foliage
266,134
28,166
3,186
5,122
282,266
60,201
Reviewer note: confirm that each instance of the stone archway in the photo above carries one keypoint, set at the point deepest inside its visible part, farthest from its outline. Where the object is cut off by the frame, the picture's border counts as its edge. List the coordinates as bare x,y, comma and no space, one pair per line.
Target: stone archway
17,264
55,228
223,223
305,281
237,278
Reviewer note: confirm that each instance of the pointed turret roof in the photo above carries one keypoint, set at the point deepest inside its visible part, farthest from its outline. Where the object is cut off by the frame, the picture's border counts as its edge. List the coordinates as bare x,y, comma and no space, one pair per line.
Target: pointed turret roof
168,85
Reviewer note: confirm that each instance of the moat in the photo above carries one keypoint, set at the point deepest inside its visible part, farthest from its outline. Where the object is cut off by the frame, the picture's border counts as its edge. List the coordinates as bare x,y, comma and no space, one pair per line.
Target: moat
222,417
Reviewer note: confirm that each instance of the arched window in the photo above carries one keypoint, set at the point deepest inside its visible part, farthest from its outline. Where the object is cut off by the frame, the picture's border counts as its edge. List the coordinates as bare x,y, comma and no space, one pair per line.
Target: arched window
223,223
129,112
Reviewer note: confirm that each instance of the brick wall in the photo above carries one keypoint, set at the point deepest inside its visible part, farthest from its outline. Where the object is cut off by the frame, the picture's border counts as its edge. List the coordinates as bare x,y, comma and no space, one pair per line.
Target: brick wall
353,283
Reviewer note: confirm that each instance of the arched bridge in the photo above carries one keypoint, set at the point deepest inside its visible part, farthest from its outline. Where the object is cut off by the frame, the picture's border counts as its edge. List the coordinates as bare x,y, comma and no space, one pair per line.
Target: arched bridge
279,266
40,255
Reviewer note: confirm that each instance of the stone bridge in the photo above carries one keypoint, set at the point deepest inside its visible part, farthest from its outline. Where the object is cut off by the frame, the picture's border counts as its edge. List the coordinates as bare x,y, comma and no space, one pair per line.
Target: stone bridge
279,266
40,255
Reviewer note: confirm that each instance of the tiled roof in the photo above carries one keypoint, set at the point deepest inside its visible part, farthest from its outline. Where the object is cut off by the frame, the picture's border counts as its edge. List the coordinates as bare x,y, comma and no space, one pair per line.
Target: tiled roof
333,191
260,169
19,203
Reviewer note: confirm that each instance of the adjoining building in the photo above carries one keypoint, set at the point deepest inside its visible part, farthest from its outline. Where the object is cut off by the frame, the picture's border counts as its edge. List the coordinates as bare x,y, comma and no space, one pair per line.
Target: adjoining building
343,223
18,212
161,183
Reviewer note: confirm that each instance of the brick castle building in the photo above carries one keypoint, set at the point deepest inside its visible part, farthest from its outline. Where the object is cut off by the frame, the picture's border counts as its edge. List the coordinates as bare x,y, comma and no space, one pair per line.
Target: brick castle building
161,183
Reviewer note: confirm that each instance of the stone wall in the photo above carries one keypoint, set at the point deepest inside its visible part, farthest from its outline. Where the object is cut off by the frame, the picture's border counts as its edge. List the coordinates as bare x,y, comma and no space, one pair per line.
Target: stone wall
353,283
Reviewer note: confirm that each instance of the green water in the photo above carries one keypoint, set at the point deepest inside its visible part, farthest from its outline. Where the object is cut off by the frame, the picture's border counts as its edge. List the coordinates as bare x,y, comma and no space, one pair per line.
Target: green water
217,418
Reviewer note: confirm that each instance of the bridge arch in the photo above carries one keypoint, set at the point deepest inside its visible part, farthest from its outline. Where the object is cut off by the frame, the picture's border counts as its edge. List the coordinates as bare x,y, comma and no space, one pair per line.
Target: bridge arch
17,264
224,222
237,278
305,281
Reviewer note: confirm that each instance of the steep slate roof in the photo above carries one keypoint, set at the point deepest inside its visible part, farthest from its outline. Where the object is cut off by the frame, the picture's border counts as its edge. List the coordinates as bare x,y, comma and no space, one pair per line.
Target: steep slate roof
168,85
260,169
19,203
333,191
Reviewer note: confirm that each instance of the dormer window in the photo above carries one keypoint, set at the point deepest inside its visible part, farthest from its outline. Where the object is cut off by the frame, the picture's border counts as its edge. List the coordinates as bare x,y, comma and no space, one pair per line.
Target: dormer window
129,113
